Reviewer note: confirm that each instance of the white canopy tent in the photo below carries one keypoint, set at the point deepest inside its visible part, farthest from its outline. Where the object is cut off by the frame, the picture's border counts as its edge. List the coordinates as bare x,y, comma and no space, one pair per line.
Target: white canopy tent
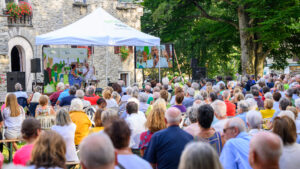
98,29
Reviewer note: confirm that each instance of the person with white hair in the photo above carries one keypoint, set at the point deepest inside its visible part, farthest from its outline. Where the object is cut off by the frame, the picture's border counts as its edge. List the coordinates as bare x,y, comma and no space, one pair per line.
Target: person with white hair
195,86
63,94
19,93
254,122
165,148
80,119
143,97
192,113
288,113
252,104
236,149
97,151
60,87
189,98
242,109
249,96
80,94
220,114
199,155
265,151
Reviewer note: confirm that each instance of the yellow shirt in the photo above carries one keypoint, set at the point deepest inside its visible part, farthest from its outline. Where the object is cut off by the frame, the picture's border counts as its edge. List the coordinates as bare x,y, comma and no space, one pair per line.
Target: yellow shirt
267,113
95,129
83,124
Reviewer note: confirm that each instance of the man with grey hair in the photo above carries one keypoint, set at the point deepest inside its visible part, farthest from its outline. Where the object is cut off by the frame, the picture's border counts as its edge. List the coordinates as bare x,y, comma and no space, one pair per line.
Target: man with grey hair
254,121
242,109
80,94
97,152
265,151
195,86
230,107
192,113
124,99
19,93
143,98
236,149
166,146
220,114
91,96
252,104
189,98
59,88
63,94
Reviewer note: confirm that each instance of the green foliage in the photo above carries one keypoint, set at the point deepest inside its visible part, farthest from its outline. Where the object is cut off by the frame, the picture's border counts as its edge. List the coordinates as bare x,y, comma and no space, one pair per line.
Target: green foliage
124,53
216,44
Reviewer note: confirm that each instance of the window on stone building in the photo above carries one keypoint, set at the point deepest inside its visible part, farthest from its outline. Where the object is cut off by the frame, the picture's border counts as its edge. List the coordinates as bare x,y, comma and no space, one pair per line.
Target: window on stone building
125,77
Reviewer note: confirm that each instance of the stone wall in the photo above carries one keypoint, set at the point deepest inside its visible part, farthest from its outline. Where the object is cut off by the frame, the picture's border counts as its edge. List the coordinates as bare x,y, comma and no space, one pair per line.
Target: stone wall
52,15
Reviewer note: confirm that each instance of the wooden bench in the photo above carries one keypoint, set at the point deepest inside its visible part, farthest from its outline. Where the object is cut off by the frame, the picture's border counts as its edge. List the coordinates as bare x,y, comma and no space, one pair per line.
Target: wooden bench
10,147
72,164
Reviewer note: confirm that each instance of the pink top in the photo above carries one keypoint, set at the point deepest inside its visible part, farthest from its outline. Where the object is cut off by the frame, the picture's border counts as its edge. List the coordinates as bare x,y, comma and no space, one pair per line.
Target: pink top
22,156
1,160
2,107
193,129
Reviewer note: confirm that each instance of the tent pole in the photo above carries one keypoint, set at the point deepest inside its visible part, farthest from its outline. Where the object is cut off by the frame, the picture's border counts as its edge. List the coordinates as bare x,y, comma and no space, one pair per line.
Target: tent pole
106,60
159,63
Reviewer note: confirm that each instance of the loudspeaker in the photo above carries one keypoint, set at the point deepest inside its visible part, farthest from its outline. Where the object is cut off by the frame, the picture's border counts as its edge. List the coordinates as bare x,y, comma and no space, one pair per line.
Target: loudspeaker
198,73
13,78
35,65
194,63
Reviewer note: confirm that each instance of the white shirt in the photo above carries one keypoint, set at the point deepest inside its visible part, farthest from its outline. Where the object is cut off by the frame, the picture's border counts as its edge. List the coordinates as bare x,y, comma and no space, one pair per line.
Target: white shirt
68,134
290,157
13,123
21,94
136,123
90,73
35,97
111,103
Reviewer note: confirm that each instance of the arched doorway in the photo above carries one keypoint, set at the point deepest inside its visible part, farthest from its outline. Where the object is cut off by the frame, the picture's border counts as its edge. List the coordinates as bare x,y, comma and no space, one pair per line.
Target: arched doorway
20,53
15,59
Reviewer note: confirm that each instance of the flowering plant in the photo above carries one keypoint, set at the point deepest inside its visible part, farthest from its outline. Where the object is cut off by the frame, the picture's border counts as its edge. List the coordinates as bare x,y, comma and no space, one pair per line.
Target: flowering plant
25,8
124,53
18,11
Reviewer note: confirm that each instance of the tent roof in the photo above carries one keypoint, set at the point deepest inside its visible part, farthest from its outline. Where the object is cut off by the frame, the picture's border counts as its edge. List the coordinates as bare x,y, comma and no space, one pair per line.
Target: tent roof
99,29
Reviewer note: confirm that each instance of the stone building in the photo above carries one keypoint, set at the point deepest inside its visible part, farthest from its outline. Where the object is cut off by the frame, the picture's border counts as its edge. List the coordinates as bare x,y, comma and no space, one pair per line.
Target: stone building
18,47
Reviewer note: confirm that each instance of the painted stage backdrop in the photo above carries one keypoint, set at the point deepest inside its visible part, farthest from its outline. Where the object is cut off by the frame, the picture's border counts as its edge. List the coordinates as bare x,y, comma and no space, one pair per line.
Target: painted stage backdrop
148,56
58,64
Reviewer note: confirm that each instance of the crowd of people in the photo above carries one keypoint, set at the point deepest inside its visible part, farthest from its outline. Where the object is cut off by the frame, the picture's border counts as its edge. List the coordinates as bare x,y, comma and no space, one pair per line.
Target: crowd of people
230,124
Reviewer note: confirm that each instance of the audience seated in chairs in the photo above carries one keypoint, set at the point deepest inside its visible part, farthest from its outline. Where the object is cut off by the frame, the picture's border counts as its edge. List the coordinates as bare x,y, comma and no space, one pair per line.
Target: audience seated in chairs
21,96
31,129
13,116
45,113
66,128
49,151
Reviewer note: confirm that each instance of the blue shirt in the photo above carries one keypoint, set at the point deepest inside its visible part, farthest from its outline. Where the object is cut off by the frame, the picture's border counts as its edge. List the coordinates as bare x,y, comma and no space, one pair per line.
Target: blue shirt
63,94
133,161
188,102
235,152
243,117
166,146
66,101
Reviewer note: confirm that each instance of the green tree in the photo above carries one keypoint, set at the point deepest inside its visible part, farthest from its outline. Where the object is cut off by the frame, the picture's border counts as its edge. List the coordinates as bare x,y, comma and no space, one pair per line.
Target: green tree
221,32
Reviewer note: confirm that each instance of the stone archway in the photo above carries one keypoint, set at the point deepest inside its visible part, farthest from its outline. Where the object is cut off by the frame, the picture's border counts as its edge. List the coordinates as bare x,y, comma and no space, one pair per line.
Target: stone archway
22,47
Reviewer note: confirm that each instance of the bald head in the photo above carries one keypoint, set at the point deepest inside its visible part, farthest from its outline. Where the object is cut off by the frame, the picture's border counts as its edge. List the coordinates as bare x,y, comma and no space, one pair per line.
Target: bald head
265,149
97,152
173,115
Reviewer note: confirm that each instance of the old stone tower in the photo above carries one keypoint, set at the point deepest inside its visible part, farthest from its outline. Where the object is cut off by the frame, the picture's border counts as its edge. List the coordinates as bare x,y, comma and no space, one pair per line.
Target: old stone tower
17,39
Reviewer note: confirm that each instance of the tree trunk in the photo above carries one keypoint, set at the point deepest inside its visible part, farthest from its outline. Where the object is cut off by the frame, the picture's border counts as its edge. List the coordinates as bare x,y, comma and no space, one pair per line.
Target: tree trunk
246,46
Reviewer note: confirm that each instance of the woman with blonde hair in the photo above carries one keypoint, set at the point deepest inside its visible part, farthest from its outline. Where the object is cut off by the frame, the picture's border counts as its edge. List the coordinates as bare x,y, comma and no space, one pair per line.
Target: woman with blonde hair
45,113
155,122
13,115
66,129
48,152
107,95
